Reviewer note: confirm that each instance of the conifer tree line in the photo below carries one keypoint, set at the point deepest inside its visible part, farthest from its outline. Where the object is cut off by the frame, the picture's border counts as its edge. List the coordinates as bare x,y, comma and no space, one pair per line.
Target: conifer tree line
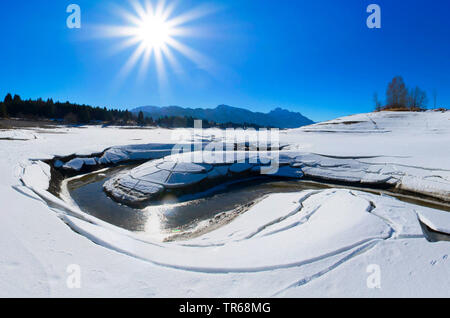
70,113
16,107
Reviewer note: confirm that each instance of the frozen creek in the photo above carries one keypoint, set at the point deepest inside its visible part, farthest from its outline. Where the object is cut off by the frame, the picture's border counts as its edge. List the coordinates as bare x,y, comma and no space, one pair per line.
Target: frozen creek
316,242
197,209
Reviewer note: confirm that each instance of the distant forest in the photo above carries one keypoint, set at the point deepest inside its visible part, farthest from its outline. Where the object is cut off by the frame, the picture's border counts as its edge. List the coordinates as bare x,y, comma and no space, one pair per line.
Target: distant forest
75,114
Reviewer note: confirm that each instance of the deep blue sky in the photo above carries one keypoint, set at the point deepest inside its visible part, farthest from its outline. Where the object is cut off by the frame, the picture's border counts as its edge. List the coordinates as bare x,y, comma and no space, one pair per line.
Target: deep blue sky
316,57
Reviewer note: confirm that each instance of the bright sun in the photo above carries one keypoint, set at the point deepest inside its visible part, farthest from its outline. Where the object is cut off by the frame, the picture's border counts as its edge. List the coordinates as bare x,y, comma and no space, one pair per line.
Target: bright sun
155,32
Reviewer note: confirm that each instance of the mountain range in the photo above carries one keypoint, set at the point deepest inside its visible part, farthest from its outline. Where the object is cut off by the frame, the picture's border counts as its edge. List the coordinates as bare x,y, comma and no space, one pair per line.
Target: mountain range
278,118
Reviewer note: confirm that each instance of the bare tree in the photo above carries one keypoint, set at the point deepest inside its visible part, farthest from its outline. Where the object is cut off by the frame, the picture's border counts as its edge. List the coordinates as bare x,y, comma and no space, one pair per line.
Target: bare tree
397,93
434,98
377,102
417,99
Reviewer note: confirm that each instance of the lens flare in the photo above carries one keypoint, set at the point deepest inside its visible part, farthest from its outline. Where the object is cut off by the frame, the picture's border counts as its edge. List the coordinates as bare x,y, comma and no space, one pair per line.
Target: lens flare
153,32
156,34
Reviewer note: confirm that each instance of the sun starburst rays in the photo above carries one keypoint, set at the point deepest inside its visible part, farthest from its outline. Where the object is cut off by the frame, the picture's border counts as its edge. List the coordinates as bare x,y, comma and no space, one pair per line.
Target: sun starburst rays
155,34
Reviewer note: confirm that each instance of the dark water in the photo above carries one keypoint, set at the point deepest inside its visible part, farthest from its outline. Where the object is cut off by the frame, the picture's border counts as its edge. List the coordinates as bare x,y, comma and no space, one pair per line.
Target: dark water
88,193
184,212
230,197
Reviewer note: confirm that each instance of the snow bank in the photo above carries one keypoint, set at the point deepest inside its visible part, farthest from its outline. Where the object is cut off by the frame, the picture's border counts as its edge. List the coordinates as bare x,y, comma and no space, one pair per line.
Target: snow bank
313,243
20,135
439,222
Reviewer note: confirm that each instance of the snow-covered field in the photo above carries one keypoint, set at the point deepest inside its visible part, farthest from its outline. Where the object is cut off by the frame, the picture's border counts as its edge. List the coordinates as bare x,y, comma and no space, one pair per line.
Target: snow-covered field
324,243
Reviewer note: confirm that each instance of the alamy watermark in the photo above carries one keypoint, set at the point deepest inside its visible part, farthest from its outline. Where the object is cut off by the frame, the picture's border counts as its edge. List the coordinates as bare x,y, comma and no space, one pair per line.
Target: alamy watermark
74,19
73,280
260,147
374,279
374,19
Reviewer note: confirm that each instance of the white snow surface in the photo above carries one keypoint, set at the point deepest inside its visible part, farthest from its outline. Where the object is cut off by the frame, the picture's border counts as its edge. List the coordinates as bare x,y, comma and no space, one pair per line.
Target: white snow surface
311,243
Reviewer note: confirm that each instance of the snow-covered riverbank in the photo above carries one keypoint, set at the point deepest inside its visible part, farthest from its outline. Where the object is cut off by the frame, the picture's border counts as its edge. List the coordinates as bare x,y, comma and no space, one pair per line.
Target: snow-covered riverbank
317,243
